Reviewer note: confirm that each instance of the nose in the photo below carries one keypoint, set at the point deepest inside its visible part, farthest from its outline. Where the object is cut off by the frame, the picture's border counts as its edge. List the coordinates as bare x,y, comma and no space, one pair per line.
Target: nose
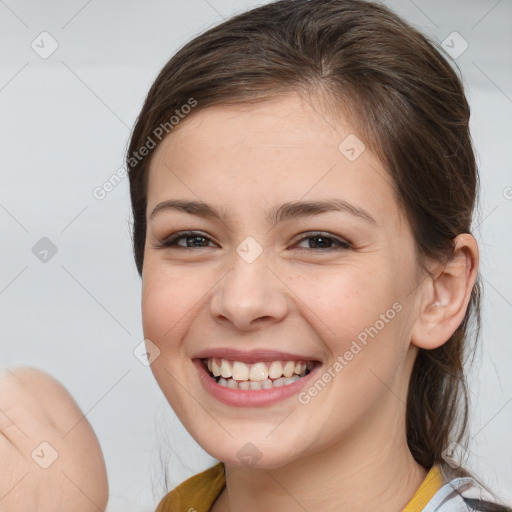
250,295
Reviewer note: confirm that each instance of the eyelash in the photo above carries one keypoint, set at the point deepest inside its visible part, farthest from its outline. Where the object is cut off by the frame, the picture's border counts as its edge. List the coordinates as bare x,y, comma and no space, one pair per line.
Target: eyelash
170,241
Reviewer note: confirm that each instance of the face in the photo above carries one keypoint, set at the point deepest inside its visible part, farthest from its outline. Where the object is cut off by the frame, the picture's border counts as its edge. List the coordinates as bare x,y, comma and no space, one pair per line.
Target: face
326,292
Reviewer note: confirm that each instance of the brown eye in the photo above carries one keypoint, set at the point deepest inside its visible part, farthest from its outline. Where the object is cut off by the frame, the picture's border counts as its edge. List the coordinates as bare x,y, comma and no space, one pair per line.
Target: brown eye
322,241
192,239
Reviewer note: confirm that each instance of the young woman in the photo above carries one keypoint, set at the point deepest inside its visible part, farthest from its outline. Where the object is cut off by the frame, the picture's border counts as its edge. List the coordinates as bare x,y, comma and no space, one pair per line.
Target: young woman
302,181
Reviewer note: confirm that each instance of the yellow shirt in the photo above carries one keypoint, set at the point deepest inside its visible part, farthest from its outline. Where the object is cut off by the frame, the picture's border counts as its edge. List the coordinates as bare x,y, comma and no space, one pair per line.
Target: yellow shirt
199,492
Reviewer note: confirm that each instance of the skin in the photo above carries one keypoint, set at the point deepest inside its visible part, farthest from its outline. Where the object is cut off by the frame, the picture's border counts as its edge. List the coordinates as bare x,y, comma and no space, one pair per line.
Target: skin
336,452
68,471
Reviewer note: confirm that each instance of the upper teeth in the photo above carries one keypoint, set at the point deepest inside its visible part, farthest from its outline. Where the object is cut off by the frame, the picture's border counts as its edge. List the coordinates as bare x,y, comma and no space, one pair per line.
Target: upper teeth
258,371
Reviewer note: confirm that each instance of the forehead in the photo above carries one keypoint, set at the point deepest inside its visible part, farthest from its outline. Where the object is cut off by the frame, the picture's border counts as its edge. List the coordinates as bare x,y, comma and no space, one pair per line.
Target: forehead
286,120
282,149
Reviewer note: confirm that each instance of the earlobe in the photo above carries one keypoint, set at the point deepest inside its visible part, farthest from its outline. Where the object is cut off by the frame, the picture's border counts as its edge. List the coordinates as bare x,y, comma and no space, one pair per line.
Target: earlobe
445,298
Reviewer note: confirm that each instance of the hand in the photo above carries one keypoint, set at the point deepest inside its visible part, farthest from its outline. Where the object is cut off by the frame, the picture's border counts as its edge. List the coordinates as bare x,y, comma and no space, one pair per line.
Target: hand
50,458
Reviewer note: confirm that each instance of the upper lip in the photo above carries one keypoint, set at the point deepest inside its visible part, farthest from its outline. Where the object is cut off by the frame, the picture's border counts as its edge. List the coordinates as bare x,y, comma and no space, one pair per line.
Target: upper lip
251,356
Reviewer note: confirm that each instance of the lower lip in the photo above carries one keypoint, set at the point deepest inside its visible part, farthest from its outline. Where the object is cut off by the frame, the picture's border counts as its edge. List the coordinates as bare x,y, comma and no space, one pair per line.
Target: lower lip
254,397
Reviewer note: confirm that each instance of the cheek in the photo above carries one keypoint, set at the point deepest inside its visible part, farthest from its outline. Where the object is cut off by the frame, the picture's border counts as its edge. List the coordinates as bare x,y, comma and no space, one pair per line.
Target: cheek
362,319
345,301
171,297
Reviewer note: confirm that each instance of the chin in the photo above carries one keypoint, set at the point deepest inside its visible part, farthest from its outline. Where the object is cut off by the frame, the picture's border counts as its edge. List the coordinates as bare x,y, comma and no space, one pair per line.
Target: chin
251,454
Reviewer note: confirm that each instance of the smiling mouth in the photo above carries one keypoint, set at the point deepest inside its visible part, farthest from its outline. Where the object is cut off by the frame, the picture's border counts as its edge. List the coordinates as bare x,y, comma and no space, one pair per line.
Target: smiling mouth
261,375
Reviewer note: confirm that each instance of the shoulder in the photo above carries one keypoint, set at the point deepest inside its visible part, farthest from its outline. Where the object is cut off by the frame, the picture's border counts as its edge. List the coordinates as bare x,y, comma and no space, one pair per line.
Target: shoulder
197,493
463,494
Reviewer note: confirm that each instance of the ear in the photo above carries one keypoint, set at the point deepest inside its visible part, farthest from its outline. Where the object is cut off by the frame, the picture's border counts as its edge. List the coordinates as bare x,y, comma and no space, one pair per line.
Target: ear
444,299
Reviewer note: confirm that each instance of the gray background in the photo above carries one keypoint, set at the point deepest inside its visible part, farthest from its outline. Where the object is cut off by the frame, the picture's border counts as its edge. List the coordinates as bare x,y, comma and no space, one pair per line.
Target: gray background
64,124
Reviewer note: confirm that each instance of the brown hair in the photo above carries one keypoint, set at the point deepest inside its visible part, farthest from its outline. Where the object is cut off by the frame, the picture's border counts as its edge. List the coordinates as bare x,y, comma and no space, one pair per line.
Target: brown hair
409,104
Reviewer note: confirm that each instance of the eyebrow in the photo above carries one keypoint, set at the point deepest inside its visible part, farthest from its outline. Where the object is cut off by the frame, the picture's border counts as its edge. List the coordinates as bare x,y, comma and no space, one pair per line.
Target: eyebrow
275,214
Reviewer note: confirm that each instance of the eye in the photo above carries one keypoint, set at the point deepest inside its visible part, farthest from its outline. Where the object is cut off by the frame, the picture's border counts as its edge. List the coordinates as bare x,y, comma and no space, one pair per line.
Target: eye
191,238
323,241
